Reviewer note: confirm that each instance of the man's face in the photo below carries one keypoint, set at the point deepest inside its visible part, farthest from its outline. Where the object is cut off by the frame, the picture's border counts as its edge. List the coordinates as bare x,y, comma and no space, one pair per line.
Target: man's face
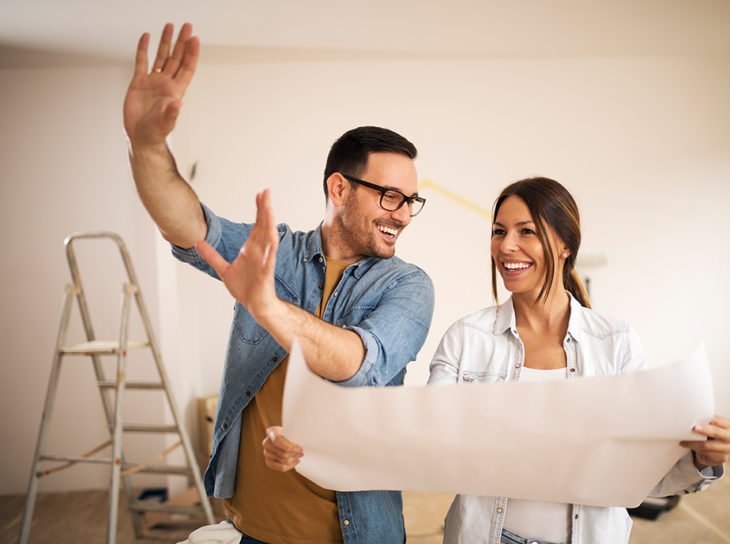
371,231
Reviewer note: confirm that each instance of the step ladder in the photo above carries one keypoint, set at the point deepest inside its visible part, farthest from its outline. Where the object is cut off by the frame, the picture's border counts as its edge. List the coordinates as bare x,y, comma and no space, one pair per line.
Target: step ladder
112,397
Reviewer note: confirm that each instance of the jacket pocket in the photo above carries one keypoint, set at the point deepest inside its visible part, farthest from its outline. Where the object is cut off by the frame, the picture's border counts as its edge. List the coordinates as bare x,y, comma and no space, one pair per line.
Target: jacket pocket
480,376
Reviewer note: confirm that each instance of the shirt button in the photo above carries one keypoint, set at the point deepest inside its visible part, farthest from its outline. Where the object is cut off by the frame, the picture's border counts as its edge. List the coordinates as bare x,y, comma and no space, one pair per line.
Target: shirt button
572,370
335,293
321,259
346,522
274,358
225,425
518,365
319,287
500,510
248,393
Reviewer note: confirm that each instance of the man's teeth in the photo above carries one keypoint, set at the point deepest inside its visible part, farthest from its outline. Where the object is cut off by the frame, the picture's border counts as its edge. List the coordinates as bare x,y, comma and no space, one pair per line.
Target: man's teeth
388,230
516,266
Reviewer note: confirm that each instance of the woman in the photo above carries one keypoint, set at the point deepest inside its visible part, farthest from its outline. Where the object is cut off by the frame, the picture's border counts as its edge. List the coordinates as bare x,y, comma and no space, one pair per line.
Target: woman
546,331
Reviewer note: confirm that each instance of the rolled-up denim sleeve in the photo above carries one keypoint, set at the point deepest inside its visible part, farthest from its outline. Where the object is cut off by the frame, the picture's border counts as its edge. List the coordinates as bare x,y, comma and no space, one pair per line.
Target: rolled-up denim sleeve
394,332
225,236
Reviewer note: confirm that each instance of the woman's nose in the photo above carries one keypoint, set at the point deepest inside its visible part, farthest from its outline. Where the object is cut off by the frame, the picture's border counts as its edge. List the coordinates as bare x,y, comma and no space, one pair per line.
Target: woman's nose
508,243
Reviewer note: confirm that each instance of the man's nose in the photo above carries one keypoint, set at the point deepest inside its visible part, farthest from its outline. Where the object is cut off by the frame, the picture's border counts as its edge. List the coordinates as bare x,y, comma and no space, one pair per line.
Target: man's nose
403,214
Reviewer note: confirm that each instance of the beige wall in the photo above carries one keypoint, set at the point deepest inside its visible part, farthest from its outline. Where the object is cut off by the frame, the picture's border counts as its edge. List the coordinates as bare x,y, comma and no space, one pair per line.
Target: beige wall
643,144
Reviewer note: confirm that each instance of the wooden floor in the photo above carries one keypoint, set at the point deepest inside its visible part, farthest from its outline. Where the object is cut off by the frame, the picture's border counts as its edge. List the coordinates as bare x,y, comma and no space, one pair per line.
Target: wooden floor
80,517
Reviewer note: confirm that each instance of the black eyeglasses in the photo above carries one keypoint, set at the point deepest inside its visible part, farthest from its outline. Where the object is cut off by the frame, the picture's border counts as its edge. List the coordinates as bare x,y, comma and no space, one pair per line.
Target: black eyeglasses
392,199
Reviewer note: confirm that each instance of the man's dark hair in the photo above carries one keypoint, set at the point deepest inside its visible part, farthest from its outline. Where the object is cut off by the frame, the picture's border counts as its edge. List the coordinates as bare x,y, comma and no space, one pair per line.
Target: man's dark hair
349,154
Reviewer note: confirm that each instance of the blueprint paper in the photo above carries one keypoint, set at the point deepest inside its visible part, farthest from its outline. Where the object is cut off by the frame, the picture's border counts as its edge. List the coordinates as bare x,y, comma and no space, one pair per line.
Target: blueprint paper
601,441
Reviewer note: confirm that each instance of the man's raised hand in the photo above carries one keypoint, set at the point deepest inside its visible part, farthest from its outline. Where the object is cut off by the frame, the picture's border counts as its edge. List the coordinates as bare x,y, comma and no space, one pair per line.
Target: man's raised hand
154,98
250,277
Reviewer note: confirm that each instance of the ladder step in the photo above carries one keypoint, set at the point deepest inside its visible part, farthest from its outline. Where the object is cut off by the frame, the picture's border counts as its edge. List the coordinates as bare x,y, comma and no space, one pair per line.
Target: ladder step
157,468
101,347
162,469
141,506
76,459
142,428
111,384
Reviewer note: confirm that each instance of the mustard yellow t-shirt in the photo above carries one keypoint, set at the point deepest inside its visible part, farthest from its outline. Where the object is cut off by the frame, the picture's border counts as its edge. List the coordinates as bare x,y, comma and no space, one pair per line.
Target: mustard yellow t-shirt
280,507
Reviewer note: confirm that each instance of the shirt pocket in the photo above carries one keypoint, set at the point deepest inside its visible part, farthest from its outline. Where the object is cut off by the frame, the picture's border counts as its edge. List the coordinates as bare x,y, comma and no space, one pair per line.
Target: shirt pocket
246,327
481,376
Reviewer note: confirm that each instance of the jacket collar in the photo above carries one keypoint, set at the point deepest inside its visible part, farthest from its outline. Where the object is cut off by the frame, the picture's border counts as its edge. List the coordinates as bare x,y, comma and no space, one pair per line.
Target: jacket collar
505,319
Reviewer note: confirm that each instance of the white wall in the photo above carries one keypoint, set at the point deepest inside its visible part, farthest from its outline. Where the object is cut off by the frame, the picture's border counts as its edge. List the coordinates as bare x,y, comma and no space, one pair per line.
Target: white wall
643,144
65,170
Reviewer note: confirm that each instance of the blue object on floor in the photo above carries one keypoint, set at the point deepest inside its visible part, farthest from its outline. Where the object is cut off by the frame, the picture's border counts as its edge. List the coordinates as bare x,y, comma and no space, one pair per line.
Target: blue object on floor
157,493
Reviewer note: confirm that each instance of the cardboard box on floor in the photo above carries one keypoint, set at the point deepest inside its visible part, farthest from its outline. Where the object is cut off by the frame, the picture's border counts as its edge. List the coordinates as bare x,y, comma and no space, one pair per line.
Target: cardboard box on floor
206,415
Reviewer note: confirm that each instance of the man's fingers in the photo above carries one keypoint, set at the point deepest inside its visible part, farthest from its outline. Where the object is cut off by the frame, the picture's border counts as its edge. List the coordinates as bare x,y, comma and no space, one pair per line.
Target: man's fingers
163,50
281,467
189,61
172,63
280,442
140,61
213,258
279,453
263,201
264,238
266,226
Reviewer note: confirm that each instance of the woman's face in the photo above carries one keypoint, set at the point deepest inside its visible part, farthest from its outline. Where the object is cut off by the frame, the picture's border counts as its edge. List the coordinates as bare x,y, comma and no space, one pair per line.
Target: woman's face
517,251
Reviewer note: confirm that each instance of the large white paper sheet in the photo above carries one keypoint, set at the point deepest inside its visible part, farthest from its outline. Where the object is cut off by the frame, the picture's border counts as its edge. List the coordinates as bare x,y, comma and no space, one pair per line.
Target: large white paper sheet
602,441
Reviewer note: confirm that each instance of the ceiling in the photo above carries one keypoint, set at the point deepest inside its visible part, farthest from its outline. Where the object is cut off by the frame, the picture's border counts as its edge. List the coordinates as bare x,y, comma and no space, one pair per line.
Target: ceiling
87,31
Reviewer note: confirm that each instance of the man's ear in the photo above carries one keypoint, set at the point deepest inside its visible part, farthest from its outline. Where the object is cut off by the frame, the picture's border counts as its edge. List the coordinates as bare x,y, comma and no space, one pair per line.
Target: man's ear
338,188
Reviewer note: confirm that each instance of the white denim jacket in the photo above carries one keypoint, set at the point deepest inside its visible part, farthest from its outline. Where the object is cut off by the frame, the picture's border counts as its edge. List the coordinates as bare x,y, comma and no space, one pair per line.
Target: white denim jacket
485,347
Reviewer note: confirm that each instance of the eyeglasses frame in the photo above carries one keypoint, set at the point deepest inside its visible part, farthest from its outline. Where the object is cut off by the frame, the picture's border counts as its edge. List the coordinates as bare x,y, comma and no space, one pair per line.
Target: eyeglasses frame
382,190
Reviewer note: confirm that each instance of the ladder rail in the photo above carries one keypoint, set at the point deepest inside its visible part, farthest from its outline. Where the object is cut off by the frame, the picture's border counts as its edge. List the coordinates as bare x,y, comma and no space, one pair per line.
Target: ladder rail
46,417
118,419
172,404
109,409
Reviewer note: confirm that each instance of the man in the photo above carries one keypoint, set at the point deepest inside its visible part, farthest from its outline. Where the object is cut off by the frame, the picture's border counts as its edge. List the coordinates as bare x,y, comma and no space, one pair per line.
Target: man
359,313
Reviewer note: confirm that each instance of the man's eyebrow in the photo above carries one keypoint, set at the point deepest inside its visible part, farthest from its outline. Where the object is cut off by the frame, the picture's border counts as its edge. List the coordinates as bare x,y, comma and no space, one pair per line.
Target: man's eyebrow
391,188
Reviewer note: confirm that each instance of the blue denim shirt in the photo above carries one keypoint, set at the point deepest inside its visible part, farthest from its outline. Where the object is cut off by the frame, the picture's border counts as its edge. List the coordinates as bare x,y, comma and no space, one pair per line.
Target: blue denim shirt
387,302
